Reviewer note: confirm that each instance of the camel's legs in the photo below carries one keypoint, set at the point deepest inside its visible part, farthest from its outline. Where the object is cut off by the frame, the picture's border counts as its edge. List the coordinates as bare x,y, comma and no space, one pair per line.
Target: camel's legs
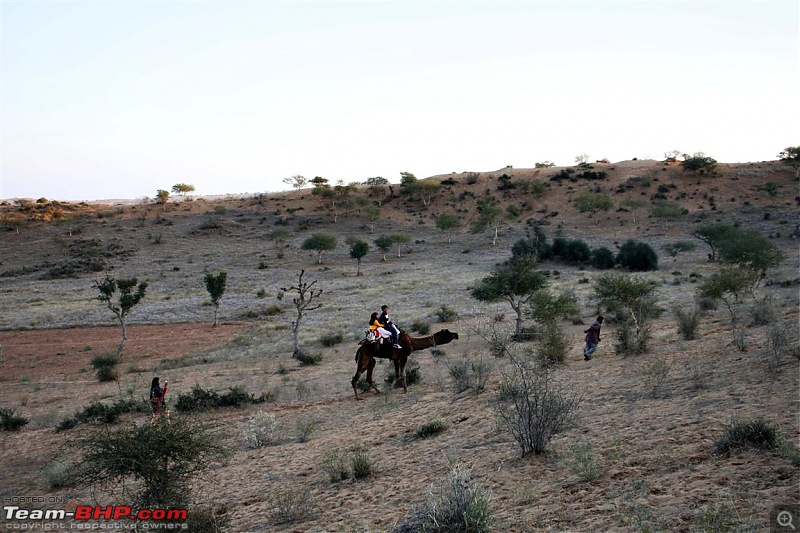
370,368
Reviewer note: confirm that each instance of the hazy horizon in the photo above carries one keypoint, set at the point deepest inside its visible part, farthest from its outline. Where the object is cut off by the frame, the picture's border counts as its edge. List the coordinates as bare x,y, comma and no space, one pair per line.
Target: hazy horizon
117,100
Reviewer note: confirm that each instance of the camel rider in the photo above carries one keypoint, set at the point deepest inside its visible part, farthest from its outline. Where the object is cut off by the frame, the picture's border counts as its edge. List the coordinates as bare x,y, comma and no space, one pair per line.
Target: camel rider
379,327
384,319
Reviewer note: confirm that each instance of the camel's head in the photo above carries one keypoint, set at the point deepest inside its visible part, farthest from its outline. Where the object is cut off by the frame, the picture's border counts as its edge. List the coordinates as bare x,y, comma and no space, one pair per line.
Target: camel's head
444,336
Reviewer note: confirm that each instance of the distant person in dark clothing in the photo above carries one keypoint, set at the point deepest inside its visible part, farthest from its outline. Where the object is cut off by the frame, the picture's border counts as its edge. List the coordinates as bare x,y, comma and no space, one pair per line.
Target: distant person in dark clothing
592,338
157,394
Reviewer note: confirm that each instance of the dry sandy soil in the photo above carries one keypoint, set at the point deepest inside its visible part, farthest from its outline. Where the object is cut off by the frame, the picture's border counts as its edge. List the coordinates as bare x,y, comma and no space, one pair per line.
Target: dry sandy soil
655,452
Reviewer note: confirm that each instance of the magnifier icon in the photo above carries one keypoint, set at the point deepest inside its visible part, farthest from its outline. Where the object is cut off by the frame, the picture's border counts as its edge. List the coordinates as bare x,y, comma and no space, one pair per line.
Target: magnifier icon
784,519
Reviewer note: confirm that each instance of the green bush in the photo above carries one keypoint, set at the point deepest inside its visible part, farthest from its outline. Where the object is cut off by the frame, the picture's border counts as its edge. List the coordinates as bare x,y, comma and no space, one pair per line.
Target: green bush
602,258
106,367
699,163
429,429
637,256
200,399
335,465
688,322
360,463
447,314
576,252
291,505
420,326
742,434
667,209
10,421
308,359
163,458
553,345
97,412
331,339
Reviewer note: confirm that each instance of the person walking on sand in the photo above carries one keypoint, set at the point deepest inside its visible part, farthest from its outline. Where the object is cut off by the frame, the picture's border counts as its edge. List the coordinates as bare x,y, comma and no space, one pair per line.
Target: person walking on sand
592,339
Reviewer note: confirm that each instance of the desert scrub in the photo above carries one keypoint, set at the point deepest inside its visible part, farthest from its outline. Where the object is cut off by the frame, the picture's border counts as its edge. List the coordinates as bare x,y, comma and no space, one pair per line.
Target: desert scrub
420,326
291,506
656,375
460,505
688,322
331,339
446,314
533,406
308,359
335,465
56,474
105,366
361,463
739,434
429,429
261,430
200,399
468,374
9,421
98,412
583,461
305,428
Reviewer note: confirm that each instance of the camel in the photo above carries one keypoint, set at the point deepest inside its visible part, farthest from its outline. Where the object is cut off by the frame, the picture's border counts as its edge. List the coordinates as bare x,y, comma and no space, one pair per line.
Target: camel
366,354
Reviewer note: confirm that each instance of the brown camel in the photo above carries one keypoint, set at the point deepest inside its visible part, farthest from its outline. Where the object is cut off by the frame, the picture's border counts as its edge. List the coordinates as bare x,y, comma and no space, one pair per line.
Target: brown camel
366,354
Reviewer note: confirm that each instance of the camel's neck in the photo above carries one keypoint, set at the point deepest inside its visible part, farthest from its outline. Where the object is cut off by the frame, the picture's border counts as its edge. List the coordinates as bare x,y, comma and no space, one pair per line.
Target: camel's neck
421,343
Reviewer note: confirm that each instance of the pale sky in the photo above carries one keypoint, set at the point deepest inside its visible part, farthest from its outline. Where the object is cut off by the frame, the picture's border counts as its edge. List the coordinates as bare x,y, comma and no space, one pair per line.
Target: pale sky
115,100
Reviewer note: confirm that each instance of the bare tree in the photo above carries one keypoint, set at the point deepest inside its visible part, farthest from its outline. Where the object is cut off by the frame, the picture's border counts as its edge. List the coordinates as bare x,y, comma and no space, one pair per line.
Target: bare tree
303,301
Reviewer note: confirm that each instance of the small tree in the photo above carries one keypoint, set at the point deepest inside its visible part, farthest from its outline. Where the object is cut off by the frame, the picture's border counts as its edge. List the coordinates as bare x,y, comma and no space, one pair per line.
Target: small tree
422,190
297,181
163,457
515,282
279,236
130,294
545,308
751,250
674,248
320,243
400,239
489,216
633,301
358,249
215,285
319,183
182,188
384,243
162,196
304,302
407,178
731,285
371,214
791,157
633,205
713,235
448,223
